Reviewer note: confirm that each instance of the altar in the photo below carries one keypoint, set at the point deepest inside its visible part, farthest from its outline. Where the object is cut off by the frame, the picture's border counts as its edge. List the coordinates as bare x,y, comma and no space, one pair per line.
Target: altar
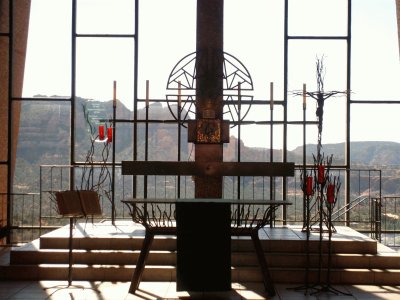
158,218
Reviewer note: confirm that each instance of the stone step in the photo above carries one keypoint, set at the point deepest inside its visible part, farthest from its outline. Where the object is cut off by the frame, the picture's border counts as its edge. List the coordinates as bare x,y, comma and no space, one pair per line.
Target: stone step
128,236
100,243
341,276
340,260
168,273
168,243
30,255
110,253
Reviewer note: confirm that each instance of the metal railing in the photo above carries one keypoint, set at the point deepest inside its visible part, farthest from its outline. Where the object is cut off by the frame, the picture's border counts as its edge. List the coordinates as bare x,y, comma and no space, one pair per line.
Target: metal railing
371,205
390,213
344,209
25,208
365,188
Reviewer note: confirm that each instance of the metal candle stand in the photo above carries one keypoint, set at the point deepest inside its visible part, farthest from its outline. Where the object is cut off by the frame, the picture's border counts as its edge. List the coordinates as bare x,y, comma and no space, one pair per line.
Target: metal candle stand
325,187
308,191
321,184
327,190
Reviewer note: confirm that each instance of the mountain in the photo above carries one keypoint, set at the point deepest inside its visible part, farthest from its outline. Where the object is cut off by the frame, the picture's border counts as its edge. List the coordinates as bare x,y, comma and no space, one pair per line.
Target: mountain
369,153
44,139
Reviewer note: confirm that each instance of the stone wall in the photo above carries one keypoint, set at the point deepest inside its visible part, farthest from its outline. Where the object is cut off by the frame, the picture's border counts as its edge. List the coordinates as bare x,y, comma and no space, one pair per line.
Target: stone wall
20,33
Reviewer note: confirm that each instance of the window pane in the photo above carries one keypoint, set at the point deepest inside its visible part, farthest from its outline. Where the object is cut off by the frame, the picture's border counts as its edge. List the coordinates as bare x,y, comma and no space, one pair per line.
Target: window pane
105,16
375,122
167,34
102,61
318,17
375,52
48,58
303,57
90,115
43,139
254,34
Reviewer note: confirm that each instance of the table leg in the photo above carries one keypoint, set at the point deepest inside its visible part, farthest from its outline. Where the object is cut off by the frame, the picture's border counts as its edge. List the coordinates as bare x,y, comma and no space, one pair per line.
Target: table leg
269,287
144,252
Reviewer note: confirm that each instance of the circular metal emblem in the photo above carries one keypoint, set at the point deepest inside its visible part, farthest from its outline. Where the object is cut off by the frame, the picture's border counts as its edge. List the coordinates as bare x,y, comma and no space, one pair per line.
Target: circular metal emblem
181,89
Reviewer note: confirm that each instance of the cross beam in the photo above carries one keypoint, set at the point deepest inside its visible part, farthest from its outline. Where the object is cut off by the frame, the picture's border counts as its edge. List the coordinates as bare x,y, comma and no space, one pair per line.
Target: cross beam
210,169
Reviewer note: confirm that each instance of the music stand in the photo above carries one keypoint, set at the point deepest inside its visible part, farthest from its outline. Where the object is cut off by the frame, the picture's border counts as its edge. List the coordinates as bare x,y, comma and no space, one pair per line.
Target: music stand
90,203
73,205
69,206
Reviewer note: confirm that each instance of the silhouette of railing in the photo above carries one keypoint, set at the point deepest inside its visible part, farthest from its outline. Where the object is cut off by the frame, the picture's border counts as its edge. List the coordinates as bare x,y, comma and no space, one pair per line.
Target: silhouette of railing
24,211
348,207
365,188
390,213
374,206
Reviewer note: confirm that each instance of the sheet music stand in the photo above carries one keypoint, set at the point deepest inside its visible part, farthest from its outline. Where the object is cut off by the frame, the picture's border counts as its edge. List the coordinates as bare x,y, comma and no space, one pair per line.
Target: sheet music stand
90,203
73,205
69,206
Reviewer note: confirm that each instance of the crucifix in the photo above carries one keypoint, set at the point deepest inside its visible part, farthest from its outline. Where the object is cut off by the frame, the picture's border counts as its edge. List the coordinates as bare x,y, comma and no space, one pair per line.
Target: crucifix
204,228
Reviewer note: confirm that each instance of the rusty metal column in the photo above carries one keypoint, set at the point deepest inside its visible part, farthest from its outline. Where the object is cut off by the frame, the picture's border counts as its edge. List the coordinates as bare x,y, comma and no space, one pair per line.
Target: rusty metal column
204,240
209,87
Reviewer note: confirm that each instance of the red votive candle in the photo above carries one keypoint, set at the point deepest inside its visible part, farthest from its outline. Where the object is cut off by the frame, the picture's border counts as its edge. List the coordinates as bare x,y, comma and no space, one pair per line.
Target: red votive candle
330,193
101,132
309,185
321,174
109,135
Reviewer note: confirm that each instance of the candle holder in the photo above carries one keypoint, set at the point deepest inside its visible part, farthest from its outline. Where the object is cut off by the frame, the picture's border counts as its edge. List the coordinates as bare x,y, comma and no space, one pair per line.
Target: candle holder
308,188
321,196
331,199
331,193
109,135
95,175
321,171
101,132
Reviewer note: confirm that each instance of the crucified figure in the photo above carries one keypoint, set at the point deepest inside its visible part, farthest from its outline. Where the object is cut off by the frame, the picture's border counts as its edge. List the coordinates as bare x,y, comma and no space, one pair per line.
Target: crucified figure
320,96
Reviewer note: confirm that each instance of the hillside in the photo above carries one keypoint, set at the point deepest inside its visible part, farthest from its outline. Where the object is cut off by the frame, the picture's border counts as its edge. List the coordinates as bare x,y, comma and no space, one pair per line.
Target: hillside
45,131
369,153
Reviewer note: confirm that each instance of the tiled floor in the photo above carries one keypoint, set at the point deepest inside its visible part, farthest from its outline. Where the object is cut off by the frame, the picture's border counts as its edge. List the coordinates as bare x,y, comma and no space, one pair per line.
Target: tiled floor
85,290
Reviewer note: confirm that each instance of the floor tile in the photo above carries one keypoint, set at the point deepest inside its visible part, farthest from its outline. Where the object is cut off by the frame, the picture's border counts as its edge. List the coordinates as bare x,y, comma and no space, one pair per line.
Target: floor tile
84,290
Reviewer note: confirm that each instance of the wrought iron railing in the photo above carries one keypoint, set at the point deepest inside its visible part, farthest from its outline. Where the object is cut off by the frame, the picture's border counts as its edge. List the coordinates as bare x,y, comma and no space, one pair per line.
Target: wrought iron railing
365,184
24,216
390,212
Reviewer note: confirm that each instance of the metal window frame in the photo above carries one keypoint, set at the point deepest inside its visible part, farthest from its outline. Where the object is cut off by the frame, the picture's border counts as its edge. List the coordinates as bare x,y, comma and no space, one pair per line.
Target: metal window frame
136,100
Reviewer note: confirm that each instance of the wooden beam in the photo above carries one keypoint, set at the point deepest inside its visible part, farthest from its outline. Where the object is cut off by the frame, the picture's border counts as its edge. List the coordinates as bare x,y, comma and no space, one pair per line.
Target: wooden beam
207,168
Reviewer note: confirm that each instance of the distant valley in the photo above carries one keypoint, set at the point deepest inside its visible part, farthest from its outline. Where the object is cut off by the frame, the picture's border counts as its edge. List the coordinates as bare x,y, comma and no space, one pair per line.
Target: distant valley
45,133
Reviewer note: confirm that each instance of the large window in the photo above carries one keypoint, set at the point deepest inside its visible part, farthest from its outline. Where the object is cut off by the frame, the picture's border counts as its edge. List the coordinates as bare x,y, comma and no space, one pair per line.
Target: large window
70,73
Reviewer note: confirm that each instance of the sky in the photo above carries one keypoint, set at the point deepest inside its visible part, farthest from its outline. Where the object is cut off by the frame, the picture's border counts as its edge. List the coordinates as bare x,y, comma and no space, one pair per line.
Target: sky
253,33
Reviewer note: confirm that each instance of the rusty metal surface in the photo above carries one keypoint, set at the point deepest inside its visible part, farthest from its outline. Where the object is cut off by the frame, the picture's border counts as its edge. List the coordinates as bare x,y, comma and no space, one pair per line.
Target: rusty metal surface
207,168
158,219
161,213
